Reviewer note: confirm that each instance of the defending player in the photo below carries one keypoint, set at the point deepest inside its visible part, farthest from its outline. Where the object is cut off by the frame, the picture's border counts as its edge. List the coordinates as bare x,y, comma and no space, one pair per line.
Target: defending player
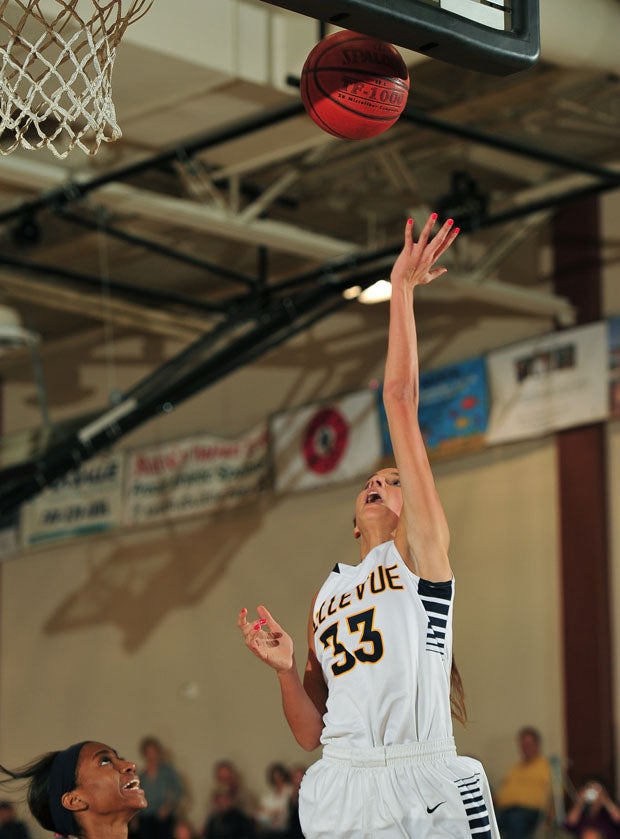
376,689
86,790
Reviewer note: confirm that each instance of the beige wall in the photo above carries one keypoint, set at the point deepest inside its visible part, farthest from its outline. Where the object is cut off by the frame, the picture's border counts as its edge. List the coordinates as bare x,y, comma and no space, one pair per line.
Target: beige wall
502,506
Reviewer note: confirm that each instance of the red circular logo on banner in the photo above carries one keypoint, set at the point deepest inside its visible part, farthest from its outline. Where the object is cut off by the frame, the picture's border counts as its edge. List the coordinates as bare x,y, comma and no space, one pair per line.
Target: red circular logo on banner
325,440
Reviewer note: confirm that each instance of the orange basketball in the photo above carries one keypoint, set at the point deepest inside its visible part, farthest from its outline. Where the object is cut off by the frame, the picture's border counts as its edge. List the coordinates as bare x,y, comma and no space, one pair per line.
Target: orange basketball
354,86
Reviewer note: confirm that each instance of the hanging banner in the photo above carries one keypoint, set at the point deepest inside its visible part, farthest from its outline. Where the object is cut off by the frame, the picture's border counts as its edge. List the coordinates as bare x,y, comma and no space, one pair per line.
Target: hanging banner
87,500
614,366
453,411
548,383
196,475
454,408
326,443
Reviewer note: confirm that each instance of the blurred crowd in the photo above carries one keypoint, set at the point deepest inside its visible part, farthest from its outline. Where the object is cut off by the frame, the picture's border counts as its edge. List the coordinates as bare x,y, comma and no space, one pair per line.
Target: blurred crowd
535,800
232,812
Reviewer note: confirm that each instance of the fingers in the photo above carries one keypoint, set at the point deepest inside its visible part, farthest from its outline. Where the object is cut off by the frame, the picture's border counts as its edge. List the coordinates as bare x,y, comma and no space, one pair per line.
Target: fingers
253,637
447,237
437,246
437,272
244,626
249,629
266,618
262,644
424,234
439,239
409,234
440,242
426,231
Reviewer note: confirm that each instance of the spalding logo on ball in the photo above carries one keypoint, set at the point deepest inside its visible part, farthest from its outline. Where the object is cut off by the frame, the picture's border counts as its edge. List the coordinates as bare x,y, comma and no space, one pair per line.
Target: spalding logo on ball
354,86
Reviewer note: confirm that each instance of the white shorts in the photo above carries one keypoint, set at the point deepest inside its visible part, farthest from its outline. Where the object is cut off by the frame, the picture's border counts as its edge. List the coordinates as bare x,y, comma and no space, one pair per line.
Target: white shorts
419,790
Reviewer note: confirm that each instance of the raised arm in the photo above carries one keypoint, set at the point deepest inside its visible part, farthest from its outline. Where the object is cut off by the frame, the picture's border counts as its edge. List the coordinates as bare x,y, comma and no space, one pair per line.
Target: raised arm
303,703
422,536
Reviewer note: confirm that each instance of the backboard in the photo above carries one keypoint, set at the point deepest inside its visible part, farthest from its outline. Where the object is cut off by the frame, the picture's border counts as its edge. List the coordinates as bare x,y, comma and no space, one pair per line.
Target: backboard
492,36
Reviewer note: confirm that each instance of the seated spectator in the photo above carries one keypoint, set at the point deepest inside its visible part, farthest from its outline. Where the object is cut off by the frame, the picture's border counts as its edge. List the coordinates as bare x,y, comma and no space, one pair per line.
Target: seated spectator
183,829
163,789
594,815
227,820
226,774
273,814
524,797
10,826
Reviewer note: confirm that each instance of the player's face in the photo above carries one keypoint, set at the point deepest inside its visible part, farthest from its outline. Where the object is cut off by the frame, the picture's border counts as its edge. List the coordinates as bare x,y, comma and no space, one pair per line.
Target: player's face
107,783
381,496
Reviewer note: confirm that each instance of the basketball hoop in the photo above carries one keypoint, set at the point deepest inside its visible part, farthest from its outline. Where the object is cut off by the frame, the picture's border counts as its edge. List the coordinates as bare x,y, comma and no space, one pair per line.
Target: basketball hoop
56,72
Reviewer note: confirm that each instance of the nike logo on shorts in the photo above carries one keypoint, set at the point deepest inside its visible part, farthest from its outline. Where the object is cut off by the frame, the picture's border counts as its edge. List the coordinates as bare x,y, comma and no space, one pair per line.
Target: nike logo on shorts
430,810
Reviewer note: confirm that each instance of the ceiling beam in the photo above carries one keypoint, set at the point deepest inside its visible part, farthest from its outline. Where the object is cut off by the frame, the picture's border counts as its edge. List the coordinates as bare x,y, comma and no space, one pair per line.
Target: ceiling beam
122,313
517,147
202,218
264,159
292,174
163,209
527,300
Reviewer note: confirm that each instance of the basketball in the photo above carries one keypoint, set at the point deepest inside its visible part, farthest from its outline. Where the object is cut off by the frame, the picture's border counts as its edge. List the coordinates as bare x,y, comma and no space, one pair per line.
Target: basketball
354,86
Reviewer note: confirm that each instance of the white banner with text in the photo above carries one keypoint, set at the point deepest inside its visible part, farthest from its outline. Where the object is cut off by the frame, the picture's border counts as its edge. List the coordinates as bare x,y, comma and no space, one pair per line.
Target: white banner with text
199,474
549,383
87,500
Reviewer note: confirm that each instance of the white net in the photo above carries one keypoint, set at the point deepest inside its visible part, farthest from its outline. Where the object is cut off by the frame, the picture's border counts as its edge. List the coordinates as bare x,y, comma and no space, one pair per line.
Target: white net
56,73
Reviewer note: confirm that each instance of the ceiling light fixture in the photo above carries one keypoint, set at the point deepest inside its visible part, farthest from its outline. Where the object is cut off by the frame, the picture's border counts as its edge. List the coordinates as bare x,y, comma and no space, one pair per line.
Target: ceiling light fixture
378,292
12,333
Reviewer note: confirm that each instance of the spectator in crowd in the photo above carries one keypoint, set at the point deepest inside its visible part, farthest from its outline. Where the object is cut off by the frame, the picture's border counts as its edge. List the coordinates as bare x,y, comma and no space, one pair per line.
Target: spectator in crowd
273,814
227,820
226,774
183,829
10,826
594,815
164,791
524,797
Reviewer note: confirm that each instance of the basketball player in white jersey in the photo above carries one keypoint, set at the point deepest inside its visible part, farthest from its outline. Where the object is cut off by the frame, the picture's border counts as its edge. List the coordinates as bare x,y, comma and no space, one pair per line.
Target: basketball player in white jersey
377,684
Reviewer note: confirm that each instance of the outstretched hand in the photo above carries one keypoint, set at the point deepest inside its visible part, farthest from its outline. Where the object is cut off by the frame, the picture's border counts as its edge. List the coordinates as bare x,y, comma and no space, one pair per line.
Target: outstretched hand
415,264
267,640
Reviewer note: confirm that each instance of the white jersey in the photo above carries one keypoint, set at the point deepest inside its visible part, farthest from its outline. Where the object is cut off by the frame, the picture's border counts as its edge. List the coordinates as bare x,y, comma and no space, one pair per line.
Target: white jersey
389,769
383,637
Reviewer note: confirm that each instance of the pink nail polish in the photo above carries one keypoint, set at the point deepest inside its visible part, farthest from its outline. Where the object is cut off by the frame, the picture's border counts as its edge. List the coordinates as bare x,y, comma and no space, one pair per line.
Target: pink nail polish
409,221
257,625
457,229
434,216
263,621
450,221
